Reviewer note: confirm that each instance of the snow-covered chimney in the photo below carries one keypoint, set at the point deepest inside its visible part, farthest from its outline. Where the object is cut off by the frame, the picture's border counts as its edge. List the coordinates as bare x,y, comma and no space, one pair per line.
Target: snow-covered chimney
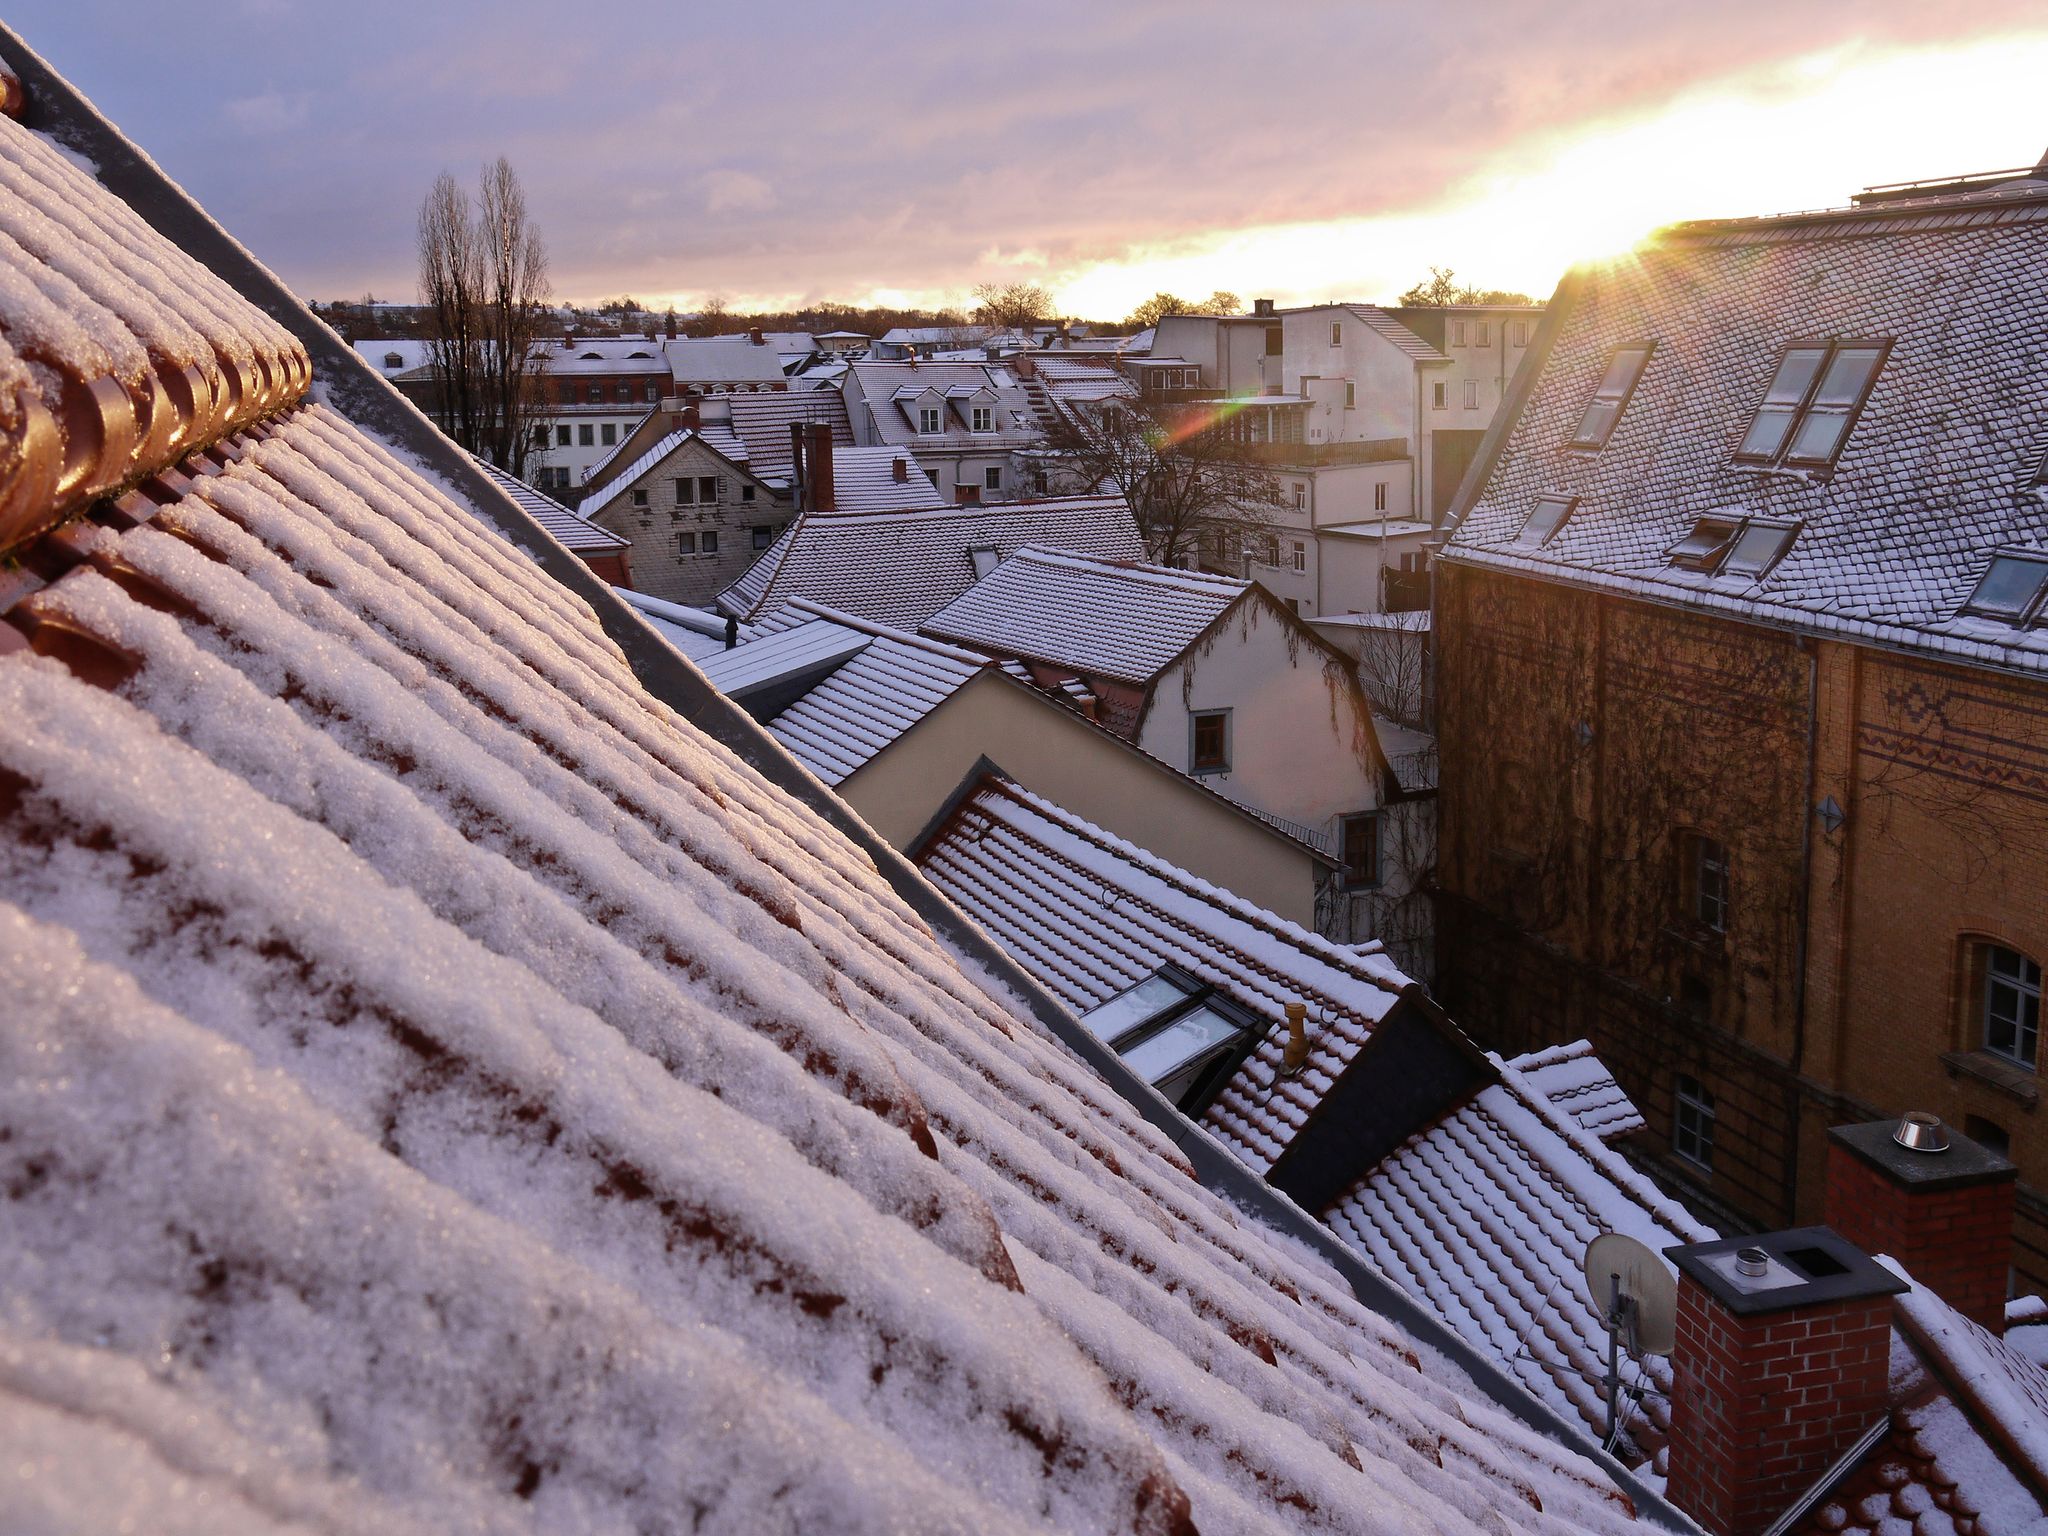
1781,1365
1933,1199
754,336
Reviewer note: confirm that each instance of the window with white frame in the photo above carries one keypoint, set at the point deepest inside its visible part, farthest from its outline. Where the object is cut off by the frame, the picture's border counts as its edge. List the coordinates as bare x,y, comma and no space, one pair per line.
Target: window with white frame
1457,333
1336,334
1703,881
708,541
1300,497
930,419
2011,1007
1440,396
1350,395
1300,555
1379,496
1471,394
1692,1122
584,437
608,434
686,543
1209,742
983,418
1483,334
992,478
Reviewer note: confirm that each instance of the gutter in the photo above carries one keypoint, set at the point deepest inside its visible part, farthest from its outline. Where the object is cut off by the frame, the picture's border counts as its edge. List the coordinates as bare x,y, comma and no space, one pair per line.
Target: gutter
353,387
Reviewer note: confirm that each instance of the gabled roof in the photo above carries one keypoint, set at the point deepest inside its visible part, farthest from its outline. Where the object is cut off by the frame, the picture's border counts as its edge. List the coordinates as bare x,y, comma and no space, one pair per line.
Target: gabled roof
898,568
1934,474
719,440
578,534
449,1088
864,480
868,703
1089,915
715,360
1117,619
762,422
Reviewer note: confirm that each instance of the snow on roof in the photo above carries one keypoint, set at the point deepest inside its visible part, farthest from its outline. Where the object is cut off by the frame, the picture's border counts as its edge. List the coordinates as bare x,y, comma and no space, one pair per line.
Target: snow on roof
439,1064
693,631
718,439
783,655
867,704
1577,1081
1123,620
410,352
1485,1217
714,360
899,568
1885,550
1089,915
762,422
887,390
1385,325
577,533
864,480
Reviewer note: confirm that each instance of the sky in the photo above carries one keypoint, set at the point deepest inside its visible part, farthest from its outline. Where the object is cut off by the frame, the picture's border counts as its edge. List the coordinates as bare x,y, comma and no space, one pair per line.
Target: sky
901,152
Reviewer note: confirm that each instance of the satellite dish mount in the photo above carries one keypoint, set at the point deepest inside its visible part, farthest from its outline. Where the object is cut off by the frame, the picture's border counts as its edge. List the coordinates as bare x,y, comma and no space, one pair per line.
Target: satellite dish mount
1638,1301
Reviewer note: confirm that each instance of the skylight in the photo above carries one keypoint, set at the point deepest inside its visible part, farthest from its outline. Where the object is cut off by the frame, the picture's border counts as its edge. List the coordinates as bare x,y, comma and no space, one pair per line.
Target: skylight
1545,518
1812,402
1624,371
1707,545
2011,586
1182,1037
1760,545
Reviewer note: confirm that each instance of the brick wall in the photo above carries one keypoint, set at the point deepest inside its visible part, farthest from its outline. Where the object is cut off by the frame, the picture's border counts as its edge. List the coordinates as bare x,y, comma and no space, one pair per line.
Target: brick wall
1762,1405
1956,1242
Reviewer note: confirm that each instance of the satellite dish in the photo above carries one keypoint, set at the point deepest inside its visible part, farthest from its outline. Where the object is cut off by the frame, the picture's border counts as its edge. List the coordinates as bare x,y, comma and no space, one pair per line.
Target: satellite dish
1618,1268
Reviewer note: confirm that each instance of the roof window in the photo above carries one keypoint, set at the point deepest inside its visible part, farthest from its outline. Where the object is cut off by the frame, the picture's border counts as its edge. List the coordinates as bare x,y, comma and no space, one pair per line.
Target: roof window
1545,518
1624,370
1813,400
2011,586
1707,545
985,558
1182,1037
1760,545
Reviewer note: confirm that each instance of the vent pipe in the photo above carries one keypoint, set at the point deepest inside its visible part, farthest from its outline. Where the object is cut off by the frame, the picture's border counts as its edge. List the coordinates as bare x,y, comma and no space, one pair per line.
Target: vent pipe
1296,1055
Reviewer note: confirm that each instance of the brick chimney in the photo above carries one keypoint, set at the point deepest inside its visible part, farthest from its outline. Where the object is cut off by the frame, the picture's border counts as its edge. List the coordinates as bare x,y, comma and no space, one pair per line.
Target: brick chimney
899,469
1934,1200
824,495
1262,306
1781,1364
754,336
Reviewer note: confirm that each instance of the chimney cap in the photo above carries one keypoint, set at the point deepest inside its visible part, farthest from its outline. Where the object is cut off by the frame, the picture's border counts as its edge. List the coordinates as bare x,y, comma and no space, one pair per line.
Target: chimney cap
1964,1163
1801,1267
1919,1131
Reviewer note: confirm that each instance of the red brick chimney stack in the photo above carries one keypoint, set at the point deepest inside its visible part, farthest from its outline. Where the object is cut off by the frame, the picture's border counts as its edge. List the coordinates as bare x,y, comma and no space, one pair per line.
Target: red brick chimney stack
754,336
824,496
899,468
1781,1364
1938,1202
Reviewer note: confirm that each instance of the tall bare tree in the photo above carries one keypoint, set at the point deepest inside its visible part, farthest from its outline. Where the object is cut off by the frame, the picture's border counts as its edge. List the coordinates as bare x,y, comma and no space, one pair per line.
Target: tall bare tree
1187,485
484,283
1012,306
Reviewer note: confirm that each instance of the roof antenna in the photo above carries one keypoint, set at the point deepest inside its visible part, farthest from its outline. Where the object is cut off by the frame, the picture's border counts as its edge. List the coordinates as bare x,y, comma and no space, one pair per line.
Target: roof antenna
1638,1301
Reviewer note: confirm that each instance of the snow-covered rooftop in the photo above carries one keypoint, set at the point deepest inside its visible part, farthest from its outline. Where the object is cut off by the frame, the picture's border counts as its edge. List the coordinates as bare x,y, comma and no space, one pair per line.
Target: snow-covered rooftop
1117,619
577,533
762,423
722,360
865,480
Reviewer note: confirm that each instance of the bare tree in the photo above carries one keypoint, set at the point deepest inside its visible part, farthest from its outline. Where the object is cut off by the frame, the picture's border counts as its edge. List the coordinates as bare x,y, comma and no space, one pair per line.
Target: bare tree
484,282
1187,485
1012,306
1442,287
1161,305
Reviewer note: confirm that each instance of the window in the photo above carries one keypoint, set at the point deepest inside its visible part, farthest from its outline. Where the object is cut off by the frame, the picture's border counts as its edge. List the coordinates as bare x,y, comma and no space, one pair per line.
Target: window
1209,742
928,419
1300,555
761,535
746,493
584,436
1359,851
1545,518
652,393
1692,1123
562,436
394,360
608,434
597,394
1336,334
1521,333
1379,496
1300,497
1812,401
540,436
708,542
1483,334
1350,395
1707,545
1471,394
1703,882
623,390
984,419
2011,586
992,478
1441,398
1272,341
686,493
1761,545
1180,1036
640,498
2012,1005
1457,333
1624,369
709,488
686,543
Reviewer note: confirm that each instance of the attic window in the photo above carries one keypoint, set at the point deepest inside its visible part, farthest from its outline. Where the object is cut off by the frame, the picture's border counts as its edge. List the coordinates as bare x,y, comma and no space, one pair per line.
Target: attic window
1180,1036
2011,586
1813,400
983,419
985,558
1707,545
928,419
394,360
1761,545
1545,518
1624,370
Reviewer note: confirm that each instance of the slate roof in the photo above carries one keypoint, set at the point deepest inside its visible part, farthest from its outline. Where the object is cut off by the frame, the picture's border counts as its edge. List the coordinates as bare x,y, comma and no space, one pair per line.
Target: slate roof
868,703
1089,914
762,422
1933,475
577,533
899,568
1123,620
446,1089
875,387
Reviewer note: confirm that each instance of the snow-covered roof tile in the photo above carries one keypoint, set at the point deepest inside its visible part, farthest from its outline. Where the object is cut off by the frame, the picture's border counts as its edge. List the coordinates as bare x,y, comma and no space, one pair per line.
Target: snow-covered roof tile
717,360
782,656
1119,619
899,568
1580,1085
864,480
577,533
762,422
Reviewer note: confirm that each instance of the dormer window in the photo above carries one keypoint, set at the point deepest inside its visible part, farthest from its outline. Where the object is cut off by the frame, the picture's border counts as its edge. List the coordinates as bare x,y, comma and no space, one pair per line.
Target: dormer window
930,419
1813,400
982,418
984,558
1624,370
394,360
1545,518
2011,586
1760,545
1707,545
